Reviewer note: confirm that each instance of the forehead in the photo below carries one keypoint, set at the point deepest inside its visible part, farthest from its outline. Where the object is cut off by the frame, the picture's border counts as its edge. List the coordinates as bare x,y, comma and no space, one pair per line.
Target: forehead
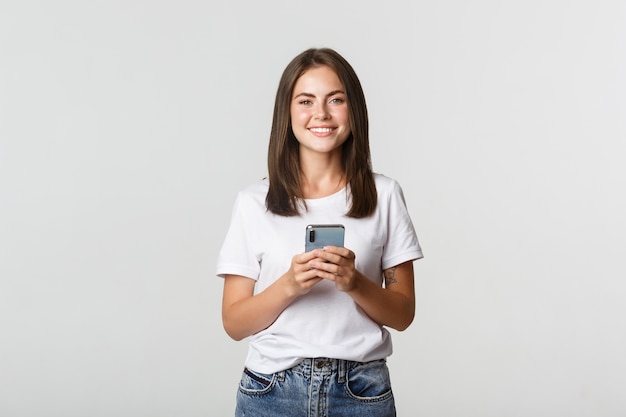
318,79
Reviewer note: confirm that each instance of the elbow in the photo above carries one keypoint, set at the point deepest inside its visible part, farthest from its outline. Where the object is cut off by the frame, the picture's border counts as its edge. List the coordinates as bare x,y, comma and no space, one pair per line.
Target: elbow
232,331
403,325
236,337
405,320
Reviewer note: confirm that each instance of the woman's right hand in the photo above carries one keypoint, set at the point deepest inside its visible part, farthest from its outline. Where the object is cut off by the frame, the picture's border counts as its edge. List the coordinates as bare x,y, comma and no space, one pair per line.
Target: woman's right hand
244,313
300,277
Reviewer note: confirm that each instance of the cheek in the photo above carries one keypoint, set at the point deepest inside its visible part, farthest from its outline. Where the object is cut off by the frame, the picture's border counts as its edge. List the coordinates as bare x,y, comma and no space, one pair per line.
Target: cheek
298,117
343,116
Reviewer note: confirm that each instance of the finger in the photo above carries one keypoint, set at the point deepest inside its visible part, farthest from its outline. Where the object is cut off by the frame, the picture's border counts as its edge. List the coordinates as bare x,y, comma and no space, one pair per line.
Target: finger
325,267
329,277
308,281
306,275
311,282
322,273
329,257
305,257
340,251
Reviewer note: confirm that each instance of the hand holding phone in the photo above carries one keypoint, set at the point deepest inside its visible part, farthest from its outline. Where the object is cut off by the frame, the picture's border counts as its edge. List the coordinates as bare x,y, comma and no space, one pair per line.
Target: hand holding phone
320,235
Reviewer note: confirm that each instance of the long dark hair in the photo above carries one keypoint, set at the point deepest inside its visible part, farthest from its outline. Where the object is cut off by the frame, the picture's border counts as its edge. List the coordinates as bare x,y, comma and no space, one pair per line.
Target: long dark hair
285,193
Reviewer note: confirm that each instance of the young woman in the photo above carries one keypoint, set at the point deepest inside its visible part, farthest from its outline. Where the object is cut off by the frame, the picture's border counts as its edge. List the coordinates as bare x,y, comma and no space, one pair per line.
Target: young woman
316,321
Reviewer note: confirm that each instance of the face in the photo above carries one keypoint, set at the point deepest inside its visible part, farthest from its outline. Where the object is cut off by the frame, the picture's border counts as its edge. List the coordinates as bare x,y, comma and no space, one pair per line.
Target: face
319,111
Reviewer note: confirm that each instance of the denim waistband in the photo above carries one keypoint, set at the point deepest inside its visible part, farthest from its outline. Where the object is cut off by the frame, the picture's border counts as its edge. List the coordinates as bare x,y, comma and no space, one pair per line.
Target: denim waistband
322,366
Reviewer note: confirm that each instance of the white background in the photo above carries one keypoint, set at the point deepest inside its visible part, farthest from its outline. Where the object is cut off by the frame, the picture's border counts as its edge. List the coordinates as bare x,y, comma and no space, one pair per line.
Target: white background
127,127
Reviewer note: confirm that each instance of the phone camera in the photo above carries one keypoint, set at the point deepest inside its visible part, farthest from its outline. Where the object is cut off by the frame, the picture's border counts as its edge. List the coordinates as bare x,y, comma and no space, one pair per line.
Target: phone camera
312,236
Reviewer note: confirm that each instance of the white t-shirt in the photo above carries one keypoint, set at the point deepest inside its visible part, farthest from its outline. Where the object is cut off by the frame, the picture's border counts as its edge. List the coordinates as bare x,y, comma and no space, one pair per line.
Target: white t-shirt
325,322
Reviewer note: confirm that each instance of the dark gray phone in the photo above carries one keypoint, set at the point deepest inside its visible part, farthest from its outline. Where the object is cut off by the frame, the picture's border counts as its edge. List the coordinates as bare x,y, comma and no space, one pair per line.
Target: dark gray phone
320,235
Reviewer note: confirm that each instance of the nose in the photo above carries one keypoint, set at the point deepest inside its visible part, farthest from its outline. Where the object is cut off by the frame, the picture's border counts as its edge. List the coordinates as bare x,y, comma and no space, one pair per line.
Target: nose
321,112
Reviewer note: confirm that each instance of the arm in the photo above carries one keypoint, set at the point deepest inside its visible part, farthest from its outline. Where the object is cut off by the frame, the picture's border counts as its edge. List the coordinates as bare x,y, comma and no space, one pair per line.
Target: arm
392,306
244,313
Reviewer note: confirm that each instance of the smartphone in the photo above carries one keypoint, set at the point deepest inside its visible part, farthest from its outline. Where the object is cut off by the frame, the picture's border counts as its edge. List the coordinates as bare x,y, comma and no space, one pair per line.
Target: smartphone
320,235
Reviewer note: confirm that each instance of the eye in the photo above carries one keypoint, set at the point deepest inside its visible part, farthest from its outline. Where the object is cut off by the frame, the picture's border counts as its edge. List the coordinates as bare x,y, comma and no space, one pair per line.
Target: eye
305,102
337,100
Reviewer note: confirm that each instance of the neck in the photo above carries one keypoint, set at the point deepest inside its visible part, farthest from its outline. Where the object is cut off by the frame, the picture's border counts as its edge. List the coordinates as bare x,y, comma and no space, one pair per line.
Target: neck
322,183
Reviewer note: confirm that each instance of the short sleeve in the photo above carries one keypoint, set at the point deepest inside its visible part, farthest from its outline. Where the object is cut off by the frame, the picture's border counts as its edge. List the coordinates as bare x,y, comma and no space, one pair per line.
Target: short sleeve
402,244
237,256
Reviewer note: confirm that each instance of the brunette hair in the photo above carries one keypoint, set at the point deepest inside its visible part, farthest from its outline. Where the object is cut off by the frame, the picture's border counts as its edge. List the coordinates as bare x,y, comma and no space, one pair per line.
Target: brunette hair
285,194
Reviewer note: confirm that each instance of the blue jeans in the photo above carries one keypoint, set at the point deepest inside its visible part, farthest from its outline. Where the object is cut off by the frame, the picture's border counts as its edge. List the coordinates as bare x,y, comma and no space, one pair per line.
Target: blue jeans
318,387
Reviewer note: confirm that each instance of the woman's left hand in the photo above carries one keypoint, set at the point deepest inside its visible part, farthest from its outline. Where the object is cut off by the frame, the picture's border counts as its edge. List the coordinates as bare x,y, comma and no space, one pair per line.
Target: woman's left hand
336,264
392,305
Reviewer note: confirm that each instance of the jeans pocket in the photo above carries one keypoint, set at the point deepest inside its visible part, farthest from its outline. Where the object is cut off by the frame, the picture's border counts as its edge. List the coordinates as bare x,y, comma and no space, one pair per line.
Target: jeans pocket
254,383
370,382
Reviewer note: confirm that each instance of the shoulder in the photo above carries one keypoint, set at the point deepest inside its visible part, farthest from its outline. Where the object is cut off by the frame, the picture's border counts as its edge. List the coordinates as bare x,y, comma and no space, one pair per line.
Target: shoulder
252,195
389,191
386,185
259,187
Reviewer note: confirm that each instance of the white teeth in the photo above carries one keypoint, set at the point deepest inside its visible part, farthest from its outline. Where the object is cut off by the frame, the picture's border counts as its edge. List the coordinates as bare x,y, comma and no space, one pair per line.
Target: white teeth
321,129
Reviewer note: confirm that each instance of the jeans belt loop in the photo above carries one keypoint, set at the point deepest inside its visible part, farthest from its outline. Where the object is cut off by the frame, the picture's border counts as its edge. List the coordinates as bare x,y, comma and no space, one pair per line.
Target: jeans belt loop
280,376
342,370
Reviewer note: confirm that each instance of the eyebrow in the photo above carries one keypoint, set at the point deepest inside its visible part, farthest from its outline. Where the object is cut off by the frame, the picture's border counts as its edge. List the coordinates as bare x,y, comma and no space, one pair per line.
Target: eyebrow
332,93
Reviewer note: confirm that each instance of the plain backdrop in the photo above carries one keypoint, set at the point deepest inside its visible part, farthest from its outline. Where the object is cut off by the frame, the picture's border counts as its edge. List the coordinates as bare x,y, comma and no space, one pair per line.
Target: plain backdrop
127,128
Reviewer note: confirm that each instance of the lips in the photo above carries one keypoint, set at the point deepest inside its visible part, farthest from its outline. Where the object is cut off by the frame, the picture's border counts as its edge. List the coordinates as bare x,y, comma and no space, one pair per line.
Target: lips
321,129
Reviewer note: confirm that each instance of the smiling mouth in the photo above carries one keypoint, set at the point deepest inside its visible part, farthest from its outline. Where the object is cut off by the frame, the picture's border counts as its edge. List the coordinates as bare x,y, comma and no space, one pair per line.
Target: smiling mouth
321,129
